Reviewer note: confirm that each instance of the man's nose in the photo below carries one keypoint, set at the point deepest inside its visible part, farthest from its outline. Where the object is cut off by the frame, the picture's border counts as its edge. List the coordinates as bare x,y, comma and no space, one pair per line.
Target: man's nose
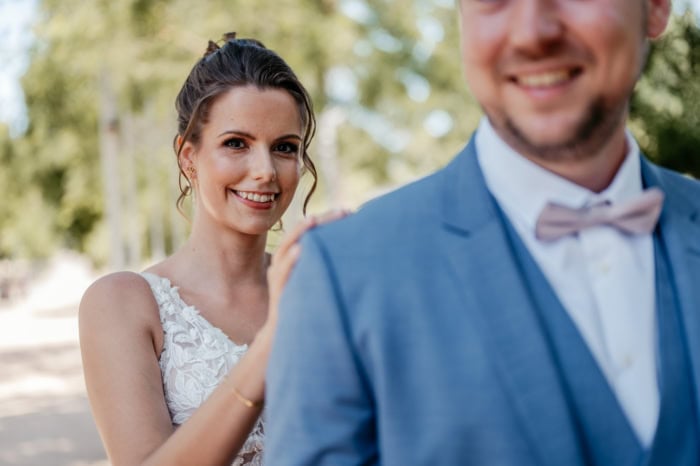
536,26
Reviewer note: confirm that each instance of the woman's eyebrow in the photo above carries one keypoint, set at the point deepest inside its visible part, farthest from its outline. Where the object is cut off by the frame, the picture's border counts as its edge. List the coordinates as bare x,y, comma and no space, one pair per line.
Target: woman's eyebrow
238,133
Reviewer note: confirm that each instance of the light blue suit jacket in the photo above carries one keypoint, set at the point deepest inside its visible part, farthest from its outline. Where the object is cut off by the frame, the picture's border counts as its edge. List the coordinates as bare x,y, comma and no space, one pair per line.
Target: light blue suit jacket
406,335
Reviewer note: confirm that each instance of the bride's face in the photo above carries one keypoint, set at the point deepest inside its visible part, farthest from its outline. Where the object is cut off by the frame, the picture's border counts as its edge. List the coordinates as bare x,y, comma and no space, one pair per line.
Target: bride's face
248,160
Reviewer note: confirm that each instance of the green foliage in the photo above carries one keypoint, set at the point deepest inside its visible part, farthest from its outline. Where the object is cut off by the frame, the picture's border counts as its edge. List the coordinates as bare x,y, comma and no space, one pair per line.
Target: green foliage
391,67
413,111
665,111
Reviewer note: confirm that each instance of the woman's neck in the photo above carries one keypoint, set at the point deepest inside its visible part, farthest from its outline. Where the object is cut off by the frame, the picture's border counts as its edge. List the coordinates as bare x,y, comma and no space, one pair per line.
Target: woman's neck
221,258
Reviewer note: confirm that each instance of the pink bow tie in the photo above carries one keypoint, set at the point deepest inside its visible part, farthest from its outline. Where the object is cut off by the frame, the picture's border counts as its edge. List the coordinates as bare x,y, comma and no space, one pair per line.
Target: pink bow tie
634,217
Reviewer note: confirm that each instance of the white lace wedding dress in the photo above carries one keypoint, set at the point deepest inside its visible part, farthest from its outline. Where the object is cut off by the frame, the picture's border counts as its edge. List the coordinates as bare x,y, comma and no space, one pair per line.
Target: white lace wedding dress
196,356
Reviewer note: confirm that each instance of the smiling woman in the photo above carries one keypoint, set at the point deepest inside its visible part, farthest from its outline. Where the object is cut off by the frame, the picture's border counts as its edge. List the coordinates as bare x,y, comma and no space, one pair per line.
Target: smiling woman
247,166
175,357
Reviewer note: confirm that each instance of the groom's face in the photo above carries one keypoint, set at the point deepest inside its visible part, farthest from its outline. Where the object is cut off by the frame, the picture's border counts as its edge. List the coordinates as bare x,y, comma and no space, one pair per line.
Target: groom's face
553,73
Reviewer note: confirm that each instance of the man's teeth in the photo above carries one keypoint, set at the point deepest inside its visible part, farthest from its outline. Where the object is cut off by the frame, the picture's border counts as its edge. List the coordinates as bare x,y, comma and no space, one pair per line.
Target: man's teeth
544,79
255,197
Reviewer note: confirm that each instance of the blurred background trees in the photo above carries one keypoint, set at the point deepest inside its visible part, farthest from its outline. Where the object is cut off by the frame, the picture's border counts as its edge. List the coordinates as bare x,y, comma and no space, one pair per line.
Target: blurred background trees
666,106
95,170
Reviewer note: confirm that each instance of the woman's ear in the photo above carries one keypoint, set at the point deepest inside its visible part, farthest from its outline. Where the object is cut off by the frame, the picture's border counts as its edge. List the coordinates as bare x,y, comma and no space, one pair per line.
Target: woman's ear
186,157
659,12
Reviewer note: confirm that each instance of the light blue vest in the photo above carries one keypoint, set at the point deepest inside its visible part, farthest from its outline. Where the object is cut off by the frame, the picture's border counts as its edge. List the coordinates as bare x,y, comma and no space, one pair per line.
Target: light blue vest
604,433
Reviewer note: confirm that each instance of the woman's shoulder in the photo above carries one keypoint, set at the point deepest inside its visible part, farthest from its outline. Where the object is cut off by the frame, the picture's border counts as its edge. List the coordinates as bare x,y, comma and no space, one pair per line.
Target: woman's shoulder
118,287
125,297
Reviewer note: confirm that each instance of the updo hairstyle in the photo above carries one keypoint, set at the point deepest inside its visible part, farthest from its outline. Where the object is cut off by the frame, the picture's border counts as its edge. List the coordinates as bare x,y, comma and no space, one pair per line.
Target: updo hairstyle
239,62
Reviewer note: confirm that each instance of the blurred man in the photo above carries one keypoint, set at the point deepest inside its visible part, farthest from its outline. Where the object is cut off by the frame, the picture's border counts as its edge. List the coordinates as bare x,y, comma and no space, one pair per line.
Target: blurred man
536,302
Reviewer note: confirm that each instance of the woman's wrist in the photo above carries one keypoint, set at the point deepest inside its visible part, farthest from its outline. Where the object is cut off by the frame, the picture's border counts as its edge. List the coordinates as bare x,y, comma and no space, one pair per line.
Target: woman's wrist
258,402
263,339
248,383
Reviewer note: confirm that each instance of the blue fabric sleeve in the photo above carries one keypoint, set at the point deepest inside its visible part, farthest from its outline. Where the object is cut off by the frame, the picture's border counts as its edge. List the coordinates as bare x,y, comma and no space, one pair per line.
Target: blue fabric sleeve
319,407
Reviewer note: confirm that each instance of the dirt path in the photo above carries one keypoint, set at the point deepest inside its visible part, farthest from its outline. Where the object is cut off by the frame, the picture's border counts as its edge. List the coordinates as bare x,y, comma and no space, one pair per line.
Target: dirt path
45,419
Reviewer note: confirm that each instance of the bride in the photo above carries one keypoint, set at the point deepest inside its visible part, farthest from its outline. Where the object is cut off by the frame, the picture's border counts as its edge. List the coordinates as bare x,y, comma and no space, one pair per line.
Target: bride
175,357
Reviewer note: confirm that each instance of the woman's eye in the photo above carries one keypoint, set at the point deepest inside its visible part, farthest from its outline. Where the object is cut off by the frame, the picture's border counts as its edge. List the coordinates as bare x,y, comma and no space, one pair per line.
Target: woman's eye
287,148
234,143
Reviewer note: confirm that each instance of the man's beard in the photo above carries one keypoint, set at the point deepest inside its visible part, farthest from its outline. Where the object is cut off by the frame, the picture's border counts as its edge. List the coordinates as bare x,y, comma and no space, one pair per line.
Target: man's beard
593,131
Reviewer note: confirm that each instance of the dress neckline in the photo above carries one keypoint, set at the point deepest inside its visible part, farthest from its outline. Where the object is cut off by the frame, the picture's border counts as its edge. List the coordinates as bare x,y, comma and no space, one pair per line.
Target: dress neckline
175,291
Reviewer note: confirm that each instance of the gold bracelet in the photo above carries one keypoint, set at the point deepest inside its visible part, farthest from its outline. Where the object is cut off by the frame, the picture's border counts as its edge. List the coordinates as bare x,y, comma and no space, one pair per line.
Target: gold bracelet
246,401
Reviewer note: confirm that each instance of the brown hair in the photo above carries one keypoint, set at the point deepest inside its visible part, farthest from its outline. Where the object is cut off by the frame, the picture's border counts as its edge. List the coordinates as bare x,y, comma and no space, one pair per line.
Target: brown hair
239,62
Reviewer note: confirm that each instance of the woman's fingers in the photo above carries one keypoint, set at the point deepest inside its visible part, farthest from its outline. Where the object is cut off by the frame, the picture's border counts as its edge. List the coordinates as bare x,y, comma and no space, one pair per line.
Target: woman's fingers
279,271
332,215
293,236
286,256
277,275
287,253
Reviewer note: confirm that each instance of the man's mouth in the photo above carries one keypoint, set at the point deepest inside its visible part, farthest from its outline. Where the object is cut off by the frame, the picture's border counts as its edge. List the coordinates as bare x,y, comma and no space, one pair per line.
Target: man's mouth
546,79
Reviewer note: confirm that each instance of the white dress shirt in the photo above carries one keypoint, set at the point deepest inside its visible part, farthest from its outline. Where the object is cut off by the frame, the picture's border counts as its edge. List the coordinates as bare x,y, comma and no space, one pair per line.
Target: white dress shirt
604,279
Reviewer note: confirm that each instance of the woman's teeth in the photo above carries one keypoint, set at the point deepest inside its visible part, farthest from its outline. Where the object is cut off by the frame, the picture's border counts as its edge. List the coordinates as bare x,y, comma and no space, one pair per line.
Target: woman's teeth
256,197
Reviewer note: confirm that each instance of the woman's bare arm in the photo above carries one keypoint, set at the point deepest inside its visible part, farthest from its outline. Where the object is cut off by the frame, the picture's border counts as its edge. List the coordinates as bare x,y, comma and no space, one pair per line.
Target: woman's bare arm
119,333
120,340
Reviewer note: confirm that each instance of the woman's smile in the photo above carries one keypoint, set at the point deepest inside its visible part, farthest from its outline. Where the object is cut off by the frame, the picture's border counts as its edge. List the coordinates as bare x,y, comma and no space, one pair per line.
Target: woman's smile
255,199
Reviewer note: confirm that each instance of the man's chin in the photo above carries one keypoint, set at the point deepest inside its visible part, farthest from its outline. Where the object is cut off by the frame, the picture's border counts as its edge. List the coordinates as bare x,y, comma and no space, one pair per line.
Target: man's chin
546,130
572,133
539,138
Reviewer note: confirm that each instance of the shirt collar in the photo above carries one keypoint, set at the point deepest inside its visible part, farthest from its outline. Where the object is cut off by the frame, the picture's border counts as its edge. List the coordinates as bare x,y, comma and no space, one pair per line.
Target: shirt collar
523,188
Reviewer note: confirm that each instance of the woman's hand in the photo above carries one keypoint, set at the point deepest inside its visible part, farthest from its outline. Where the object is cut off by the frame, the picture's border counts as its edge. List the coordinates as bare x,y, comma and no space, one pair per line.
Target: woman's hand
286,256
250,372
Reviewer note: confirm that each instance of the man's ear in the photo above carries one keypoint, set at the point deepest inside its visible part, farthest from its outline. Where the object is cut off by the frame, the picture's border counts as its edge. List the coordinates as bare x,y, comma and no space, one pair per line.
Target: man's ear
659,12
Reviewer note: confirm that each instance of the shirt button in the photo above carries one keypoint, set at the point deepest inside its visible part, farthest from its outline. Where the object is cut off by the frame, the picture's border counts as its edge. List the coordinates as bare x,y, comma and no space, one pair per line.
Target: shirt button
626,362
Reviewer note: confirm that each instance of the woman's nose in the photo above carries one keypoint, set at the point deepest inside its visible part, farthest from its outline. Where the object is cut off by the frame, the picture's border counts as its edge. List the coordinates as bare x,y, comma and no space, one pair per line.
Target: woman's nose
262,166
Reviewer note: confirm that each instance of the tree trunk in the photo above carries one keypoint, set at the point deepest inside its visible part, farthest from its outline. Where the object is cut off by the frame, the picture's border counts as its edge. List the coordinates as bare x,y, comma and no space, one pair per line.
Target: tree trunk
109,158
329,121
133,216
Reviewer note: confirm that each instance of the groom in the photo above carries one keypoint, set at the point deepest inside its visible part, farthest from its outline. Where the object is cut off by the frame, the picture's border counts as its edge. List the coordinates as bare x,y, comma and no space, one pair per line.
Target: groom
536,302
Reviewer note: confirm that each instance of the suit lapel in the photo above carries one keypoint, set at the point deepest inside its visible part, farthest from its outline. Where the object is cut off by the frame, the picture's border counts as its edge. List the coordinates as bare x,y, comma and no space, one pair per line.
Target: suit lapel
679,226
481,256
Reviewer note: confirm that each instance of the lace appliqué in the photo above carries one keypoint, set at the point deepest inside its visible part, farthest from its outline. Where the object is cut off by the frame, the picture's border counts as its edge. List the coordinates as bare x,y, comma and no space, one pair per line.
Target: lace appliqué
196,357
